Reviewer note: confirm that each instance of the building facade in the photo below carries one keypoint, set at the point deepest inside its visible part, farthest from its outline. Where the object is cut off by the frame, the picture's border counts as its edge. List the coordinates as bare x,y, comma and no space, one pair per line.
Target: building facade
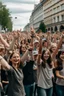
54,14
51,12
37,16
27,27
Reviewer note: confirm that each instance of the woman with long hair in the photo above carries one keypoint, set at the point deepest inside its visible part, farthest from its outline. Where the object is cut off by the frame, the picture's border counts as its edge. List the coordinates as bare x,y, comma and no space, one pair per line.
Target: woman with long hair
45,74
60,73
15,74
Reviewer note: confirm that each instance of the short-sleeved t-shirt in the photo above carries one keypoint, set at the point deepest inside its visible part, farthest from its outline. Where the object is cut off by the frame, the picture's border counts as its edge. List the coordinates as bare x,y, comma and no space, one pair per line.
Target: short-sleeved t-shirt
45,77
60,81
15,87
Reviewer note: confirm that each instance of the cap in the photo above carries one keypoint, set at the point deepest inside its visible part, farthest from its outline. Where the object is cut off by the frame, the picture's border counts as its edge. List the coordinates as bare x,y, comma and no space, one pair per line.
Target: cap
35,52
44,39
35,41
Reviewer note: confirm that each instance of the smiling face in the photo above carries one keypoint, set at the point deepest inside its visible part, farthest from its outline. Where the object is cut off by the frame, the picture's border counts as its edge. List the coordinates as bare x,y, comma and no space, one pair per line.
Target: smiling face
15,59
45,55
23,48
53,48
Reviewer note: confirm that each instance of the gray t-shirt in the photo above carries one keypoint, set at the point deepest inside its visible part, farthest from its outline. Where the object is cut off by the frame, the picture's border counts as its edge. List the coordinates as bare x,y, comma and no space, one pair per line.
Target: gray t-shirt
16,87
60,81
45,77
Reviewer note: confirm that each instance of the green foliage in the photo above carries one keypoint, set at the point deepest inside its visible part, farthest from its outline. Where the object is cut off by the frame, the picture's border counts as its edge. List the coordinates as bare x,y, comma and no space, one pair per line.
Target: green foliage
5,19
42,27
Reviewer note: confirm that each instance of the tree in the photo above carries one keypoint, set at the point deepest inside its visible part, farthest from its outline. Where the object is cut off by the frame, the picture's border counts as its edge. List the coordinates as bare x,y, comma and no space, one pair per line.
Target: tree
1,12
5,19
42,27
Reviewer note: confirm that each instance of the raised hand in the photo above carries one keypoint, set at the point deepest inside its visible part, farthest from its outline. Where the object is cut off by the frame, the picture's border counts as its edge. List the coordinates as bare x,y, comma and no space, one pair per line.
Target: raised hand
15,35
30,48
32,32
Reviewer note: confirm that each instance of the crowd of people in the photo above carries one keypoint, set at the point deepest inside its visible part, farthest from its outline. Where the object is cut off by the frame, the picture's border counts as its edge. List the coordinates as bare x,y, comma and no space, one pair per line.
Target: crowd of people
32,64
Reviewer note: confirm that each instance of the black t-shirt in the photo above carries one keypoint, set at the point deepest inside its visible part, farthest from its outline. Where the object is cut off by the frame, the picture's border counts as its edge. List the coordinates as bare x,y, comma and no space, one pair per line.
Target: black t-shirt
4,75
28,73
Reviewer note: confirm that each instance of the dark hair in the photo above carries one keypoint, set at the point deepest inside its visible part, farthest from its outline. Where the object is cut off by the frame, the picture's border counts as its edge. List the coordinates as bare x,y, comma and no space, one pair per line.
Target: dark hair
23,40
48,61
20,49
59,61
44,42
29,40
51,50
11,57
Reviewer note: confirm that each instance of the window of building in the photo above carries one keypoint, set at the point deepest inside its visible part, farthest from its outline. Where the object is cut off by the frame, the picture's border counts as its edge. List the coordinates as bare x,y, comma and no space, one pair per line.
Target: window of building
55,28
54,19
58,8
55,9
57,18
62,7
62,17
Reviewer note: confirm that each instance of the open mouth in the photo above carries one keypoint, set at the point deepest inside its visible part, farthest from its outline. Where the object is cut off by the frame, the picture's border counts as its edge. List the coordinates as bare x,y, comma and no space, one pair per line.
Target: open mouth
46,57
16,61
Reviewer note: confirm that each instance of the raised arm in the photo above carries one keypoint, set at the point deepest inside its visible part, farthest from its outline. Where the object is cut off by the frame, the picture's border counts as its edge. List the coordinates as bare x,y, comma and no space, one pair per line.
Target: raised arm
11,46
58,46
25,56
40,52
4,63
34,35
15,37
4,41
49,38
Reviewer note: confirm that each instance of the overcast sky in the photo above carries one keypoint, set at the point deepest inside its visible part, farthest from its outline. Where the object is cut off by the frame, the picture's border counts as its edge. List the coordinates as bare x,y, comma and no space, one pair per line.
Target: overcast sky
22,10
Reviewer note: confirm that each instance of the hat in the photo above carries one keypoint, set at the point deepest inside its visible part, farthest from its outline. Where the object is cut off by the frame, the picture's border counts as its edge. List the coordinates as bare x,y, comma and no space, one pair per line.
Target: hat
35,41
2,46
44,39
35,52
